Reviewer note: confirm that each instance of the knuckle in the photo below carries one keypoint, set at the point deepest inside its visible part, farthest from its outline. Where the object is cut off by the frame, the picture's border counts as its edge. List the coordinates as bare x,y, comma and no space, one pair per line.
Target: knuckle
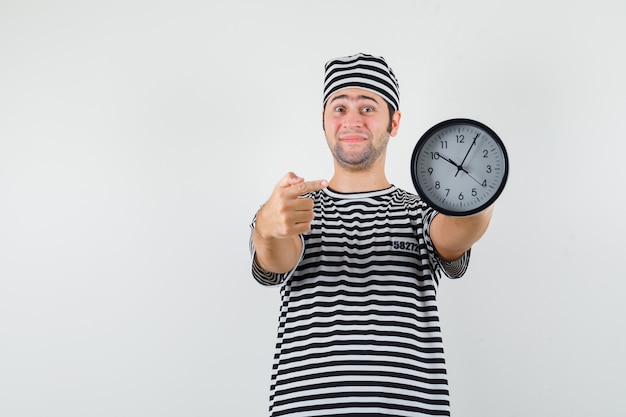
302,187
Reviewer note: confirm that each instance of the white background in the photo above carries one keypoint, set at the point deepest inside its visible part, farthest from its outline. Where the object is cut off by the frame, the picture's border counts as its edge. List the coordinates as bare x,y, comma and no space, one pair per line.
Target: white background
138,138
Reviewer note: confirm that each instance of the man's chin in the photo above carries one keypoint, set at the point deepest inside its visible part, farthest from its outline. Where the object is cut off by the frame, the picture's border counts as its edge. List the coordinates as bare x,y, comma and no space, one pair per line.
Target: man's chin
355,165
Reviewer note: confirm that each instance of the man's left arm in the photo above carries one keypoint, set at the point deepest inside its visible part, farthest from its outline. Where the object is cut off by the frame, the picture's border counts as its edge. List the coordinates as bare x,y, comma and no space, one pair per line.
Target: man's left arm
453,236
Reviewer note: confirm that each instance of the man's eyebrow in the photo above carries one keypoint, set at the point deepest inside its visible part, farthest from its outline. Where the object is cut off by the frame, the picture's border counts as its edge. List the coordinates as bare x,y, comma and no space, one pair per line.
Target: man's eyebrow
359,97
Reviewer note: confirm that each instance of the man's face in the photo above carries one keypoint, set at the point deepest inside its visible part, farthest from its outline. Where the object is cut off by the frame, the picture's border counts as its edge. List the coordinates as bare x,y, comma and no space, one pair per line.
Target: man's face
357,127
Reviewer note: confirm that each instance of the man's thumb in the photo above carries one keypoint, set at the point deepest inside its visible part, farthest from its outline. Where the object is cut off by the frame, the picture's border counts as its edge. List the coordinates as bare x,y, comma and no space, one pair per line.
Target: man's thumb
289,179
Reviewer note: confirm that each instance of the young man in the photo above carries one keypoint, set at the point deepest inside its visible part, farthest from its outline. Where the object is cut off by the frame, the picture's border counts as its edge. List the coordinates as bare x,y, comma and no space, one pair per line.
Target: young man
359,261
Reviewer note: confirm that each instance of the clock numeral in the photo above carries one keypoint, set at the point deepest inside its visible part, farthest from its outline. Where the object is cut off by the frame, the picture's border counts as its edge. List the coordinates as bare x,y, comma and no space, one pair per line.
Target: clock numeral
460,139
485,153
461,196
434,155
488,169
474,192
444,144
430,171
437,185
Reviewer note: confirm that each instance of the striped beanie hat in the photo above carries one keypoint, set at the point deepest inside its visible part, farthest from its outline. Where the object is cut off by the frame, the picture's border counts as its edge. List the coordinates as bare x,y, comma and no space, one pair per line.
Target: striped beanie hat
364,71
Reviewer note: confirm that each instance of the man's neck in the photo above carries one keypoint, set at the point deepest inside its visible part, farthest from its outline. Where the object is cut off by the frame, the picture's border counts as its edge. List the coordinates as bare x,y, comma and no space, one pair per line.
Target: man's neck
355,182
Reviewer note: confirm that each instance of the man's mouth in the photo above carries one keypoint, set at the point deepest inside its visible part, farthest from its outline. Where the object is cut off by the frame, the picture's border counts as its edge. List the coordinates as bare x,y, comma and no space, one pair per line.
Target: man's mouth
352,139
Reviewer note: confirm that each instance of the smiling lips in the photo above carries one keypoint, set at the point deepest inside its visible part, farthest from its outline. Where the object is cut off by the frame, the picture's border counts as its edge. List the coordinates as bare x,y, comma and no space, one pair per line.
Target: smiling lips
352,138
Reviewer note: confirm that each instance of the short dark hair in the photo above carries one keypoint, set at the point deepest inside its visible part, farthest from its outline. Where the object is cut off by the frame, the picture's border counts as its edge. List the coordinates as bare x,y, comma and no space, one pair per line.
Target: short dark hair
391,112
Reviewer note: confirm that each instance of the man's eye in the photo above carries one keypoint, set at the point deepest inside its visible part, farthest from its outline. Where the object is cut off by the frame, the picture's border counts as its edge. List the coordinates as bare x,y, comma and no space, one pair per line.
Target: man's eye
339,109
367,109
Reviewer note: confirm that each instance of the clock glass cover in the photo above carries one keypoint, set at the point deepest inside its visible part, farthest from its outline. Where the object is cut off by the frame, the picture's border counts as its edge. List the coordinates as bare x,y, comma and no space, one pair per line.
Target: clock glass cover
459,167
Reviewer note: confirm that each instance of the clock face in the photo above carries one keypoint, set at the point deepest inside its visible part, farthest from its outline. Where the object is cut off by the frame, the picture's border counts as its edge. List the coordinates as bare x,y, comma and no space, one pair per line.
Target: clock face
459,167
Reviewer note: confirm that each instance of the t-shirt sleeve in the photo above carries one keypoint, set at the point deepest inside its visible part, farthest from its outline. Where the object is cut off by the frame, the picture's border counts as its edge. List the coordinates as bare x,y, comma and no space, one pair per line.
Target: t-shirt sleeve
452,269
262,276
456,268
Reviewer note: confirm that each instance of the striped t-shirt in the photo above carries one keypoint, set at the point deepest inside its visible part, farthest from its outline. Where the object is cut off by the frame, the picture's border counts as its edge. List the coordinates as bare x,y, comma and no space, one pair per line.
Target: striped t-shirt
358,331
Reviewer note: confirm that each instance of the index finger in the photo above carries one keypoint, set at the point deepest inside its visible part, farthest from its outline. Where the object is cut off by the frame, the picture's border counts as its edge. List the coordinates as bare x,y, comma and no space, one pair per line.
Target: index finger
307,187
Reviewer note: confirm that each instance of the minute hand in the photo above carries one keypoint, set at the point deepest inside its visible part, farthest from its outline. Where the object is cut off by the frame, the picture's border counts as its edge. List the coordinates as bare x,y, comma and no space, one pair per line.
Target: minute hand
468,152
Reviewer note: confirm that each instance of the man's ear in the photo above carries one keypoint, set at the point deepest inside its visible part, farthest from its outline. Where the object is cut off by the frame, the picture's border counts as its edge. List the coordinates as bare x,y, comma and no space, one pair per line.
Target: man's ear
395,123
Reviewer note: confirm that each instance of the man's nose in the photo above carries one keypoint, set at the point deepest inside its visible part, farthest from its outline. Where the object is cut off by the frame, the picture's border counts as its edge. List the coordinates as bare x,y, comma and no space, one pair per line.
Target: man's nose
353,118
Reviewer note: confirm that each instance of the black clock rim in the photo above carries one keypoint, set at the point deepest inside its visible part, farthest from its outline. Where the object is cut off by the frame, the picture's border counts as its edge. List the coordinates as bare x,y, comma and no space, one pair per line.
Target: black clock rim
418,148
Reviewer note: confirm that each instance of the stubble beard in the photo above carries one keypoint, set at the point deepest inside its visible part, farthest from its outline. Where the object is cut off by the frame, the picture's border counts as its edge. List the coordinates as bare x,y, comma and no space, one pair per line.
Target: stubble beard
363,160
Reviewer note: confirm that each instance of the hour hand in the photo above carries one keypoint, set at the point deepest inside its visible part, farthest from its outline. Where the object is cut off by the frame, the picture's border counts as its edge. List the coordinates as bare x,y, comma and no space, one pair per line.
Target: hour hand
449,160
458,167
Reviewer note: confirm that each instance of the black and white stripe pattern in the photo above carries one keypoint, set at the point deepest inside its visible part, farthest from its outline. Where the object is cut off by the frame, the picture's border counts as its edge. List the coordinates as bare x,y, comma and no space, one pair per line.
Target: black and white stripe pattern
362,71
359,329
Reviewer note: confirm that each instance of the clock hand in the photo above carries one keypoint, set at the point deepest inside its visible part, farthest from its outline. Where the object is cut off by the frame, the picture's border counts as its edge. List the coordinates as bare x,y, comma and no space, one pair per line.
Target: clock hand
458,167
468,152
470,175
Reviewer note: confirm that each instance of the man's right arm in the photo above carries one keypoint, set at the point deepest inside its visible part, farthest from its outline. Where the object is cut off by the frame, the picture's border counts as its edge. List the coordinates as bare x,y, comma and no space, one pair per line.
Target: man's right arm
281,221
